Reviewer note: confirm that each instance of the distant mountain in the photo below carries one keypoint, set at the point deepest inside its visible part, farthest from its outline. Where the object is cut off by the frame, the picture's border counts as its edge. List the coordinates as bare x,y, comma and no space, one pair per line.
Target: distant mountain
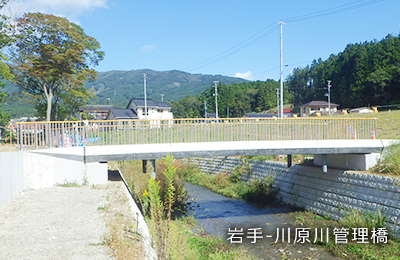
117,87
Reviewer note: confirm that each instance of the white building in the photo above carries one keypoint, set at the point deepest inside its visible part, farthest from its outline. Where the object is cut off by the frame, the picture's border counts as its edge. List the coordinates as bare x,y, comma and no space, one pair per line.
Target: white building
315,108
155,110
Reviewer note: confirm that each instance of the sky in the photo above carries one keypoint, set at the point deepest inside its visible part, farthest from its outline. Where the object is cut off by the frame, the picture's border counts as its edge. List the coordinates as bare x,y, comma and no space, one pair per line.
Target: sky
222,37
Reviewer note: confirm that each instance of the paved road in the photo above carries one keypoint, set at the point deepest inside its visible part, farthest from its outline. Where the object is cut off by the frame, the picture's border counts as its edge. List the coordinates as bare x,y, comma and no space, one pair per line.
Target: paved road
54,223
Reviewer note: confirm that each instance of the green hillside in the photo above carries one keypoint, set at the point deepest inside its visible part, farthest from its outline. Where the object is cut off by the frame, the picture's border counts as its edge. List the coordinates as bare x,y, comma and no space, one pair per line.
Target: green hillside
117,87
362,74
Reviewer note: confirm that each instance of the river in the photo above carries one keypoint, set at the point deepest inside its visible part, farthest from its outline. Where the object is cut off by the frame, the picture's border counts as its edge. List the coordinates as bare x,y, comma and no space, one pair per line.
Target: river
216,213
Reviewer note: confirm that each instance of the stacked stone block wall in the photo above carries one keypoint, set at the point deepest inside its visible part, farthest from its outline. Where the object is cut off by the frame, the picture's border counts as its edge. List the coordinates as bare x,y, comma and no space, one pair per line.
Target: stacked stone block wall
330,194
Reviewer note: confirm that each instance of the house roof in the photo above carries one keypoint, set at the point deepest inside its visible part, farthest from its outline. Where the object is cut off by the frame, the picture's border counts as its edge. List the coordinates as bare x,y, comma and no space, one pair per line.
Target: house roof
319,104
253,115
163,104
139,102
123,113
103,108
211,115
285,111
361,110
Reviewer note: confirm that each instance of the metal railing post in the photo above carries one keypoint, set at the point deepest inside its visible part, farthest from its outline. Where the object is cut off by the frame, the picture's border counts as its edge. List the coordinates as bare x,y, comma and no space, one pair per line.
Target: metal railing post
21,138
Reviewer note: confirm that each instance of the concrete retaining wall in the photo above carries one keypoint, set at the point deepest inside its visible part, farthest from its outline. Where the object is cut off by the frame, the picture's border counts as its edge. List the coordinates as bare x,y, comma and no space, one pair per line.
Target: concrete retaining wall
143,229
328,194
28,170
11,176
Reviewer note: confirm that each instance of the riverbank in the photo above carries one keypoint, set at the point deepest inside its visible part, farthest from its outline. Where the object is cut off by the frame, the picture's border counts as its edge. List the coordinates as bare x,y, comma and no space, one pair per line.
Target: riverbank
357,204
216,214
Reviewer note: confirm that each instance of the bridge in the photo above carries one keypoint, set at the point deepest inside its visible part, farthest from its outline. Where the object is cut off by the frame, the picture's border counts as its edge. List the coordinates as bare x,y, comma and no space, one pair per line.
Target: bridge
78,151
57,152
37,135
102,141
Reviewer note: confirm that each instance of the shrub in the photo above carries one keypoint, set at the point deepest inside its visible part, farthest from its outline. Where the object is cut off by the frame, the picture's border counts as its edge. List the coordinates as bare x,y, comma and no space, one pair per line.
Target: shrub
391,161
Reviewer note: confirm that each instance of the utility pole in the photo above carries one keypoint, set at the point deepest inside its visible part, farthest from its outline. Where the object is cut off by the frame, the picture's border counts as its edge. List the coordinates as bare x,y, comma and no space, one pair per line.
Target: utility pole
145,95
329,96
281,24
162,97
205,109
277,101
216,98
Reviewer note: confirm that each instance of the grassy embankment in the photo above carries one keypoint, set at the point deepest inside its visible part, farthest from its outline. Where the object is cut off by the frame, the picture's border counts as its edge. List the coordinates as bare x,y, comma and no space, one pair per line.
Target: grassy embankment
388,128
162,201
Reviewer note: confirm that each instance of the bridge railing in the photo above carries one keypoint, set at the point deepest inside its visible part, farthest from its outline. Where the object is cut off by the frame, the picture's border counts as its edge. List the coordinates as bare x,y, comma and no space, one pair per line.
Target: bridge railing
35,135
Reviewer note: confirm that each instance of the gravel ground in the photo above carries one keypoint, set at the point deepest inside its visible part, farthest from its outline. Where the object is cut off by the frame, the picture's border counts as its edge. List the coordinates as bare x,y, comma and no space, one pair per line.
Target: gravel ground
55,223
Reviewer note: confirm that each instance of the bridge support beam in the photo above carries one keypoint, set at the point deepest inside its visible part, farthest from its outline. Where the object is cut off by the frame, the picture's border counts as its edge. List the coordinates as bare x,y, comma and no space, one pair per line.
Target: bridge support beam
144,166
289,160
325,163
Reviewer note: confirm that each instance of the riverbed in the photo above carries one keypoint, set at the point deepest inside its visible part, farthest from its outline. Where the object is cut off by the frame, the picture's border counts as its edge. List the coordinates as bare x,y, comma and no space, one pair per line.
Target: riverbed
216,214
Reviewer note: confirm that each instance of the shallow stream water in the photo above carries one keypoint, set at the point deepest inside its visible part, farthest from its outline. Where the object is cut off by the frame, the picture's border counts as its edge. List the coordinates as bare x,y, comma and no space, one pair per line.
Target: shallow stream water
216,214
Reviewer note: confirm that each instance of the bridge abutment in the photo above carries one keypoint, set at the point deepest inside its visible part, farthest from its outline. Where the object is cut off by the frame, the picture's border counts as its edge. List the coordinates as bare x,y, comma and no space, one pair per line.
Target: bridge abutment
360,162
24,170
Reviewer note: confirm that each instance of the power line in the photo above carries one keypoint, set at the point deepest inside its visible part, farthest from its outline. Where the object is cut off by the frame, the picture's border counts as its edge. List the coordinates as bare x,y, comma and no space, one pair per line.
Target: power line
272,27
275,68
333,10
235,49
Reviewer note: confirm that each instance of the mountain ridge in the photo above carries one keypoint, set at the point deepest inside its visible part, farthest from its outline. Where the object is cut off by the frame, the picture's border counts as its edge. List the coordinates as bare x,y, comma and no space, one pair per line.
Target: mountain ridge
116,87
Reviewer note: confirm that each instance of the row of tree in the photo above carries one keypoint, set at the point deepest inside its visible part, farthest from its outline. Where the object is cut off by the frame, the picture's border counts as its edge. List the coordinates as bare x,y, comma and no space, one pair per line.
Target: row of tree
233,100
364,74
48,58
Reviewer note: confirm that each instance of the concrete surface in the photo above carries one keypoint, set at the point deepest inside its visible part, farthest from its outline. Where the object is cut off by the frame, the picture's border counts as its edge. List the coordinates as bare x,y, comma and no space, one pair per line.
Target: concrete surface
188,150
54,223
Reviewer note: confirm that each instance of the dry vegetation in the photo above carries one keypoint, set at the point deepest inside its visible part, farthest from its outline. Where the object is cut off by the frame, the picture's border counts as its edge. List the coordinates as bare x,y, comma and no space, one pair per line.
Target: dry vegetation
121,237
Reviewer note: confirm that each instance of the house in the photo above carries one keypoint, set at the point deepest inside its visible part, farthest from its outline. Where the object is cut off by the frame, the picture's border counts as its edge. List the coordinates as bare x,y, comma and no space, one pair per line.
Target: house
121,114
211,115
134,110
315,108
253,115
287,112
155,110
361,110
99,112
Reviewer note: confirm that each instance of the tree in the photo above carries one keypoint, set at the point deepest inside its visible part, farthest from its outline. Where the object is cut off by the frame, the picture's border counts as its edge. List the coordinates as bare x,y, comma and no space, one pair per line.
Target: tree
363,74
5,73
52,56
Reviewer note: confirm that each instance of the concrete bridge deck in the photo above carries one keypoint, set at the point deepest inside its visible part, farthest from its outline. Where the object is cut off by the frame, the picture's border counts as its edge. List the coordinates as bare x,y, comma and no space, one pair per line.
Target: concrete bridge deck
187,150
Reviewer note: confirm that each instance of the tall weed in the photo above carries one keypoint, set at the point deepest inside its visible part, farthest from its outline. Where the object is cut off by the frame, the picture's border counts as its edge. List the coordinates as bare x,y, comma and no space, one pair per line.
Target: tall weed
390,163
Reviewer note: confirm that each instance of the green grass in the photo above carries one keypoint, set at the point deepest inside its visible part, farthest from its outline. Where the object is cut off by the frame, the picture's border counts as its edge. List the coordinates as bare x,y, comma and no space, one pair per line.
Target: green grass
259,191
70,184
102,207
390,163
388,123
352,249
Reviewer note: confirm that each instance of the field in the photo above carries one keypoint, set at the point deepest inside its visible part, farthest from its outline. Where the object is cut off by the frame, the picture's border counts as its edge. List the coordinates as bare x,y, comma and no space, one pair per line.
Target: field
388,123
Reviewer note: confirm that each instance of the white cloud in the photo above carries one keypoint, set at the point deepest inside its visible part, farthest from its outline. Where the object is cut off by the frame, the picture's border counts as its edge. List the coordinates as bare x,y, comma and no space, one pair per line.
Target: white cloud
148,48
247,75
69,8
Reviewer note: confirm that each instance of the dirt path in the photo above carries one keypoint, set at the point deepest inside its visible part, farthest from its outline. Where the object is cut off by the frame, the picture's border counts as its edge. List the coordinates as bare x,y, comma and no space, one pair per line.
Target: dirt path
55,223
8,148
